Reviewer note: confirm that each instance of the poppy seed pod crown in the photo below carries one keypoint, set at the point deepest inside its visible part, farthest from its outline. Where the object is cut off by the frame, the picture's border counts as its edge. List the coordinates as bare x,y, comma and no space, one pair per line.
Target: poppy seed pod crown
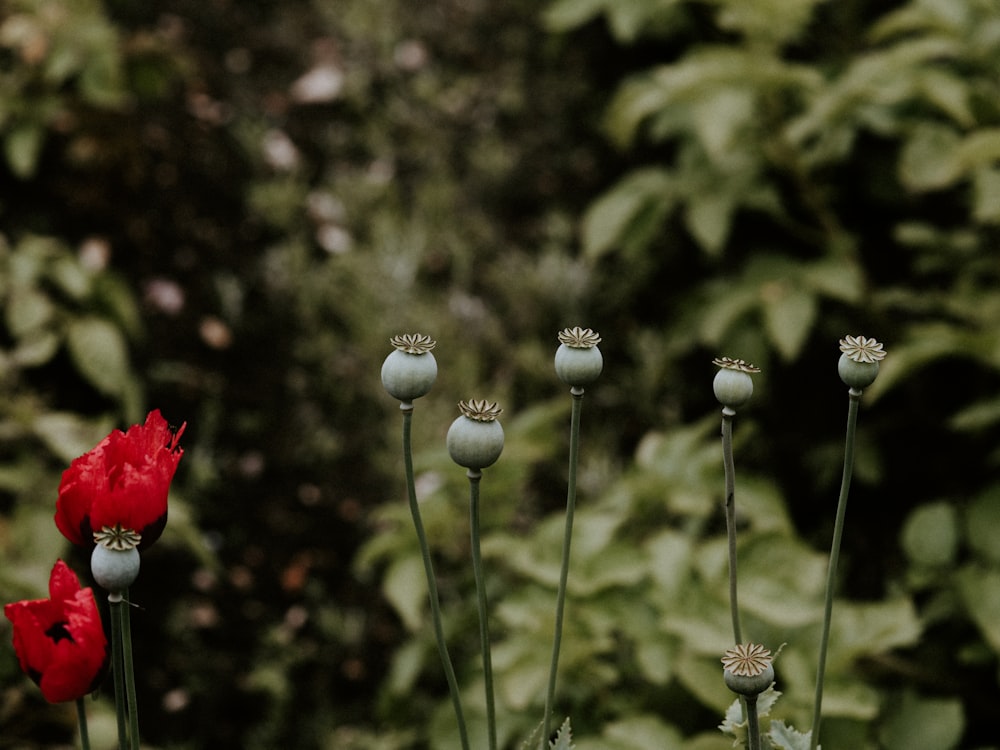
475,439
410,370
858,366
578,361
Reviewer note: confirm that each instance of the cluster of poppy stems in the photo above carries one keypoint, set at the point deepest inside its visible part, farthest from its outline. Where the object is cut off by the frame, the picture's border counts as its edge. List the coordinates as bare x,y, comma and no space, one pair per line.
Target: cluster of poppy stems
113,501
748,668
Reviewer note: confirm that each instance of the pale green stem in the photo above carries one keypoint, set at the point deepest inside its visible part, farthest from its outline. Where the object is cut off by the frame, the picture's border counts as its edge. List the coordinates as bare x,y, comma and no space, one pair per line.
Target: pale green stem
753,723
117,668
449,671
730,469
81,717
130,694
838,533
574,453
484,627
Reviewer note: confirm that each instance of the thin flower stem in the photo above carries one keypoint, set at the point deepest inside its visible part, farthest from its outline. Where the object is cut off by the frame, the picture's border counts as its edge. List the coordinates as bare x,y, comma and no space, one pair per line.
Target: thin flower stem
730,469
753,723
130,693
449,671
81,717
117,667
574,453
838,533
484,627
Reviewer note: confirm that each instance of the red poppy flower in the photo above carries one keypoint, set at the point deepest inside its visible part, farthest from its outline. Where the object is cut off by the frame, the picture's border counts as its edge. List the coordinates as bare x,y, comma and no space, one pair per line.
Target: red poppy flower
123,482
60,641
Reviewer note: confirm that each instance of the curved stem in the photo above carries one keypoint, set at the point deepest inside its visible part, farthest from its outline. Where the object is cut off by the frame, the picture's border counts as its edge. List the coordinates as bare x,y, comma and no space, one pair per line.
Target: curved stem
117,668
81,717
130,693
831,577
574,454
449,671
753,723
730,469
484,627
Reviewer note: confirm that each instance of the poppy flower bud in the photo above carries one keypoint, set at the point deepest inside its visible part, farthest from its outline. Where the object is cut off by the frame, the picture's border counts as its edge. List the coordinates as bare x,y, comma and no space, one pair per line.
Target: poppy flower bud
747,669
578,360
475,439
858,365
733,385
410,370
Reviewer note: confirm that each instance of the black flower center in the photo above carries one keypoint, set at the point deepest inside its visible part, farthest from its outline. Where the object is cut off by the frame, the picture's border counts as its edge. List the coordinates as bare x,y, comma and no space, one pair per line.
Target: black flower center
58,632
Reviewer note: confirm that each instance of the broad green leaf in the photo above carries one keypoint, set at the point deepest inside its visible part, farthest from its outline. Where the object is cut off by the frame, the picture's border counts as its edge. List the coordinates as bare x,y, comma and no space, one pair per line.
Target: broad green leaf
781,579
99,351
923,724
930,534
980,148
872,628
69,435
607,220
564,15
22,147
789,314
986,196
708,217
950,93
839,278
930,159
979,588
977,416
719,117
774,22
28,309
405,587
982,524
636,732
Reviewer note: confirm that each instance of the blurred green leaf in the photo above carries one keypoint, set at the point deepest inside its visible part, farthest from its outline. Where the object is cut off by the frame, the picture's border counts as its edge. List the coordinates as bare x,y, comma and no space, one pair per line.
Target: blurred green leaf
99,351
22,147
982,524
923,724
930,534
629,213
789,315
70,435
405,586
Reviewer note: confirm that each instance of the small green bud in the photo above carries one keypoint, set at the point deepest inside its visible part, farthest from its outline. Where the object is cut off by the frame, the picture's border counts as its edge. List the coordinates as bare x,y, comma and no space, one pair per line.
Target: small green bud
578,360
733,385
475,439
858,365
747,669
410,370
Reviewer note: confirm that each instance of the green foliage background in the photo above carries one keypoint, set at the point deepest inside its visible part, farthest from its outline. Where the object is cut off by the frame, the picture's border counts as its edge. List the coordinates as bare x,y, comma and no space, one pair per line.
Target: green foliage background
224,211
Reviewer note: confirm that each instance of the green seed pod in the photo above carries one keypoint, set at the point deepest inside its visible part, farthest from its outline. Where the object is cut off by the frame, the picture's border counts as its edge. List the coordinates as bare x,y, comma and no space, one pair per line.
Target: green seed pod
858,365
475,439
747,669
578,361
858,375
733,385
114,569
410,370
